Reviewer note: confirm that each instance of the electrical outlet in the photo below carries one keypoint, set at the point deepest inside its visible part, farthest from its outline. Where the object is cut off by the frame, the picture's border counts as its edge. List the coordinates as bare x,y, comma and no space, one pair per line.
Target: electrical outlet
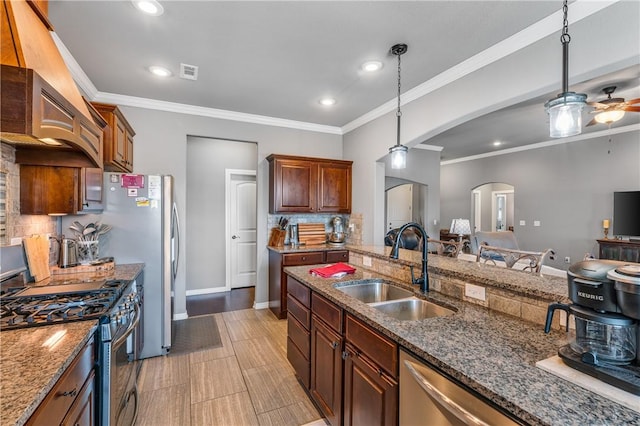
536,223
523,223
475,292
567,259
366,260
16,241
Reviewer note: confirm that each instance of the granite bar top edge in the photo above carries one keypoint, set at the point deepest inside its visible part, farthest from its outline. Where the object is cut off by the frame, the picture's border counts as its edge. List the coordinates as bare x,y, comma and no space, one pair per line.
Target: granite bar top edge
547,287
464,347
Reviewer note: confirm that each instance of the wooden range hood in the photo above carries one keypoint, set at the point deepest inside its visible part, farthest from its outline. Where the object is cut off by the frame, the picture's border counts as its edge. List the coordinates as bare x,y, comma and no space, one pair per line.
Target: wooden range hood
42,111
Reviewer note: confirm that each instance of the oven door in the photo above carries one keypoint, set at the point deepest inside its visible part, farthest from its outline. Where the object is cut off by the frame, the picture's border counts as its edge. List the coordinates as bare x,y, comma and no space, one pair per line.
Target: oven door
124,395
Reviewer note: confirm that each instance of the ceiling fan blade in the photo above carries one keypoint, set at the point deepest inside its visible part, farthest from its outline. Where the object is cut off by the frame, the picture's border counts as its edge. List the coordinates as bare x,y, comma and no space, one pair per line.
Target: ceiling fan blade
597,105
633,101
591,123
632,108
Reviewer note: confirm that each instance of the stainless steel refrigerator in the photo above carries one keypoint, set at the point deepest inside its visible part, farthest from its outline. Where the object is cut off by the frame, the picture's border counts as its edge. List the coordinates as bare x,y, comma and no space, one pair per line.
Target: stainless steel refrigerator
144,217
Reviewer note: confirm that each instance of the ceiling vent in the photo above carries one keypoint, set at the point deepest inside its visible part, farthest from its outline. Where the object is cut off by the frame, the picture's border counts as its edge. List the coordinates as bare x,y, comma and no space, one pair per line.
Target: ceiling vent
188,72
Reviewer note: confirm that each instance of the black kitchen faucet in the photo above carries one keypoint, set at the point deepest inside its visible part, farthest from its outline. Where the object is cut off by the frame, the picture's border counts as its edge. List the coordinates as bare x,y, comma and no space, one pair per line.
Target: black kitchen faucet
424,279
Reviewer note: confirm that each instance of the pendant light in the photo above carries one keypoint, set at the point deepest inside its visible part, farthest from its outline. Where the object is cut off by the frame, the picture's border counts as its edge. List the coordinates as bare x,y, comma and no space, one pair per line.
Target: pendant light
398,152
565,111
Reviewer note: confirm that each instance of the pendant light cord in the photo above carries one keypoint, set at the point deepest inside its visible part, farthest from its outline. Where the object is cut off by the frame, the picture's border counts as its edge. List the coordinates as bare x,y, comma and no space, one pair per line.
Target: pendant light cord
565,38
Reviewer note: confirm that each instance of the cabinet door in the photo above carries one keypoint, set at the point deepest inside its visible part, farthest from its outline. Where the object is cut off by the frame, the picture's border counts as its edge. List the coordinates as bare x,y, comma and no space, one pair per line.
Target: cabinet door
334,188
91,184
326,370
370,395
82,412
129,152
293,186
48,190
120,142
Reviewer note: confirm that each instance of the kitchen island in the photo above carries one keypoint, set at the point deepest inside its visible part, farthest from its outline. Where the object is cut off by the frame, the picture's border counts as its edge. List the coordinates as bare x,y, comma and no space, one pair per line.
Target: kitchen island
33,359
487,350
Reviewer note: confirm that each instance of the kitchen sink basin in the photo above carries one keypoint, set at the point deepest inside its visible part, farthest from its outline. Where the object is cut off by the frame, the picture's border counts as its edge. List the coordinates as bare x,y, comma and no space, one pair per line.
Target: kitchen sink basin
375,291
413,309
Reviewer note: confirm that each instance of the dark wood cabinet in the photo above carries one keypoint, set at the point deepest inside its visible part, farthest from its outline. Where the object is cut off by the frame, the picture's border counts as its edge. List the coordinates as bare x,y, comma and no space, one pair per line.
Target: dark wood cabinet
59,190
326,370
623,250
309,185
118,139
299,330
370,376
353,368
72,398
278,279
370,395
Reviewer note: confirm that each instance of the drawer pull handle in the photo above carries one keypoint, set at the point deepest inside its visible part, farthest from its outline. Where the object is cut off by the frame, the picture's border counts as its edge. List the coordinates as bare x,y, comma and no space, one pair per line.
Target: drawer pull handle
72,393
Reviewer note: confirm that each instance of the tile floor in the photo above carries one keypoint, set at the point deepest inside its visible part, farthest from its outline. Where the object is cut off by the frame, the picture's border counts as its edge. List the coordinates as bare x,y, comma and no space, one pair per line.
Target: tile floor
247,381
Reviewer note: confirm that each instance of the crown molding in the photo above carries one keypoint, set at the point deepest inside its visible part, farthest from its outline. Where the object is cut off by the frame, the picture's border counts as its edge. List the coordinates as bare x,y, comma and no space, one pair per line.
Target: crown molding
78,74
580,9
428,147
133,101
552,142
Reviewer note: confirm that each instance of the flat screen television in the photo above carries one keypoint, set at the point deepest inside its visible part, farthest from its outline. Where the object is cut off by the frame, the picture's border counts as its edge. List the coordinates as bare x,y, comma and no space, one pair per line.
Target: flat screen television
626,213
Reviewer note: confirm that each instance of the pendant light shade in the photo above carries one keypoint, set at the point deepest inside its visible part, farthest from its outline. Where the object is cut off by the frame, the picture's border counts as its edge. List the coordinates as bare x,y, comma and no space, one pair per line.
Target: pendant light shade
565,111
398,152
398,156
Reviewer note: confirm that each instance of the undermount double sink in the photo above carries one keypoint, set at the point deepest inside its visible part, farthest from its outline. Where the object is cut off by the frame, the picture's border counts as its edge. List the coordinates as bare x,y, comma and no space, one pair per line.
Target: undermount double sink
393,300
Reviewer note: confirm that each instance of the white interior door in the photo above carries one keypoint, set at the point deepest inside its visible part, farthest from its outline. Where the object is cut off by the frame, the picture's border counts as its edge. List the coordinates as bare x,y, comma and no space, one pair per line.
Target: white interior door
241,229
399,206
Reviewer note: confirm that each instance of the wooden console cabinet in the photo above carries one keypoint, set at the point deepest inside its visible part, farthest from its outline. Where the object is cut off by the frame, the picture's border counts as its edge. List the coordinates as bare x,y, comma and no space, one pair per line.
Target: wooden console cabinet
623,250
278,279
309,185
72,401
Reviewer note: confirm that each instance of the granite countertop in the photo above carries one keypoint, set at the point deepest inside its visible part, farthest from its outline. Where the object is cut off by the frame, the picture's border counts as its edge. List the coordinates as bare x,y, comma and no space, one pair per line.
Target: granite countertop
492,353
304,248
28,369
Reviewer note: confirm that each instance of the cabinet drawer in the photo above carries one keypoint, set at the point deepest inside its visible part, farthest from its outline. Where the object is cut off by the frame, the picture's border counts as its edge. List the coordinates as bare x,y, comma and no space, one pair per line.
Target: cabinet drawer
300,291
300,364
302,314
299,336
327,311
61,397
337,256
375,346
309,258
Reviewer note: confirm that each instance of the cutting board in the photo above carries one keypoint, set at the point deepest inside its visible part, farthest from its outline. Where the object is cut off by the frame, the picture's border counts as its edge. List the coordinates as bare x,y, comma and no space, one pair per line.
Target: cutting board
311,234
36,248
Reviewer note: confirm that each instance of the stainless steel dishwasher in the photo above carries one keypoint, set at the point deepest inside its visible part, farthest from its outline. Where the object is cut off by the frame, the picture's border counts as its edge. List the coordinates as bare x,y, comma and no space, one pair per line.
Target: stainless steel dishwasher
429,398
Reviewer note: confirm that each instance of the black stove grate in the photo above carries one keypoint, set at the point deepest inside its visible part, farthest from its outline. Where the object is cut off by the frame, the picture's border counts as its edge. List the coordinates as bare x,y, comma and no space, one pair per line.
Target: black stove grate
19,311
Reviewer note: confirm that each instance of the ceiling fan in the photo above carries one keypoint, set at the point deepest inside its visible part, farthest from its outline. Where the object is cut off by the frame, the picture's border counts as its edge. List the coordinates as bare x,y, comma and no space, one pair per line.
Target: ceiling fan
611,109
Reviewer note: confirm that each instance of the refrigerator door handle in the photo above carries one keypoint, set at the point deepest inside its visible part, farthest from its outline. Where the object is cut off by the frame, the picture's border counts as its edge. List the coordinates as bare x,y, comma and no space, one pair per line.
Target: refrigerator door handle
175,241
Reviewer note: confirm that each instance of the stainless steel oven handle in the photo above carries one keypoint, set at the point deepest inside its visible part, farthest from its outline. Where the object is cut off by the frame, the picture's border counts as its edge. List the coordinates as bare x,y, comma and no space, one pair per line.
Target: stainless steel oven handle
132,325
442,400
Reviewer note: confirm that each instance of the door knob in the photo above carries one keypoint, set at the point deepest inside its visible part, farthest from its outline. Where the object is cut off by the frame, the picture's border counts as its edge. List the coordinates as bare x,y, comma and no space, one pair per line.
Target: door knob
234,237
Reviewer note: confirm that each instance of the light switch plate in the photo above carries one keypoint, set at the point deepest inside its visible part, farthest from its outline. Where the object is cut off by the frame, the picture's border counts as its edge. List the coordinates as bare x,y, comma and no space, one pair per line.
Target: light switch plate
536,223
523,223
366,260
475,292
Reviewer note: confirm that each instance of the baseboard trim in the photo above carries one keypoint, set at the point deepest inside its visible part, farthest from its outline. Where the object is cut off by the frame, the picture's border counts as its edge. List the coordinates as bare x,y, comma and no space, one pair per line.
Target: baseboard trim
261,305
202,291
182,316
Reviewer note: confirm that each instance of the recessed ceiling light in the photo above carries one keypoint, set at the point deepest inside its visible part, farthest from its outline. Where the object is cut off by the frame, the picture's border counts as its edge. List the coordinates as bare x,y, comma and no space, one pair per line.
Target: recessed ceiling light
150,7
160,71
371,66
327,101
497,143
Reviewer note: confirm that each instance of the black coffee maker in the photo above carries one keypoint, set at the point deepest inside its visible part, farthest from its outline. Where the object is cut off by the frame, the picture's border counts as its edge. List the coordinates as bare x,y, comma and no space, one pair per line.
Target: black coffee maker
605,308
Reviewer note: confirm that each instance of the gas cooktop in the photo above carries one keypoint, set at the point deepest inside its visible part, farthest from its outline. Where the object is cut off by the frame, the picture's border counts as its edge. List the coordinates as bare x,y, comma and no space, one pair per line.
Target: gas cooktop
52,304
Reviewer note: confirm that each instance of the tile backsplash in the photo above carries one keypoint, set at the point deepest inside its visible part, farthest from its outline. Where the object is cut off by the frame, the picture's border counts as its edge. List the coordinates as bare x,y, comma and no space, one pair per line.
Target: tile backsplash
326,218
